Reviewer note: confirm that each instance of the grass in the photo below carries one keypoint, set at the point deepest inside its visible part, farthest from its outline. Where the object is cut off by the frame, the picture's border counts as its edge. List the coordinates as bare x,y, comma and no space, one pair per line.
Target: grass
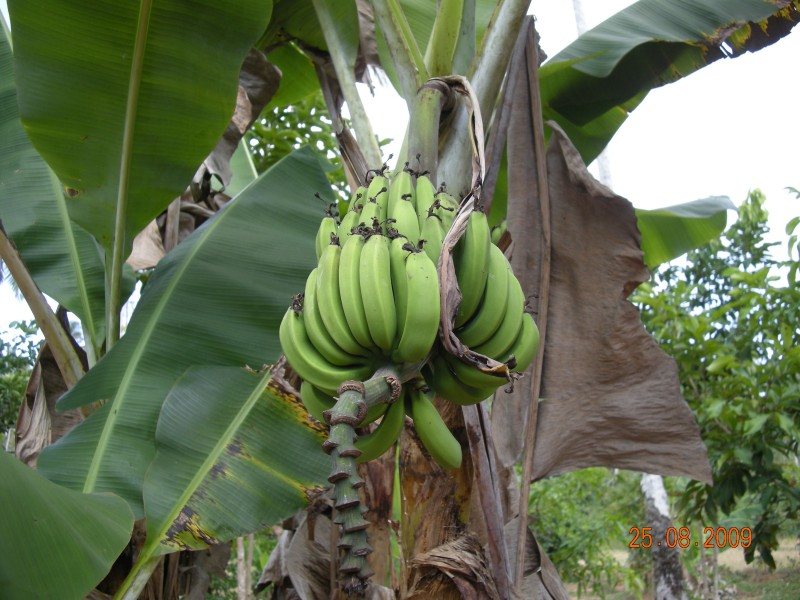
781,584
739,580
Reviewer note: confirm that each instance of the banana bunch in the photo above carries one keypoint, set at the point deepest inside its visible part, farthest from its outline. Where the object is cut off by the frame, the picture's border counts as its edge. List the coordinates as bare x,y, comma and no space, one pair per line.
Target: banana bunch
490,320
373,300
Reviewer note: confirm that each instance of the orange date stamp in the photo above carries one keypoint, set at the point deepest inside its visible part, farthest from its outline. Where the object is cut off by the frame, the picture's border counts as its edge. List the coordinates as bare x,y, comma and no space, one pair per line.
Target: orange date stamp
674,537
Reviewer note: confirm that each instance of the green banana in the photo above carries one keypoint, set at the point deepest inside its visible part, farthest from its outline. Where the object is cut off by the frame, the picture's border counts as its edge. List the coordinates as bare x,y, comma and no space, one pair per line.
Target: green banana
350,290
426,196
398,253
315,400
318,333
523,349
375,443
357,200
498,231
445,213
525,346
378,191
370,215
471,260
308,363
373,413
405,219
448,201
433,234
418,327
376,291
402,187
349,221
445,384
327,228
436,437
502,339
490,313
470,376
329,301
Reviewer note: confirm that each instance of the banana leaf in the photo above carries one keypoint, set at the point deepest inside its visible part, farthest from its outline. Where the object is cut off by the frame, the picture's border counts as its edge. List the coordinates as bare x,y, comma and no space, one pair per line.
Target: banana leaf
64,260
248,457
669,232
216,299
56,543
590,87
299,80
244,171
125,100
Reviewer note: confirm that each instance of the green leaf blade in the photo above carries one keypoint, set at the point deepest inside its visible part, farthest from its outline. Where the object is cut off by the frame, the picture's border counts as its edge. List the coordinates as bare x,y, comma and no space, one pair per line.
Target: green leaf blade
244,265
246,458
108,93
56,543
667,233
64,259
648,44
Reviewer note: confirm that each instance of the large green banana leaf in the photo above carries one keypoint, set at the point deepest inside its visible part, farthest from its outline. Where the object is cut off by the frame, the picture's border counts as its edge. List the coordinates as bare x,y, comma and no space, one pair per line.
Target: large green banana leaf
669,232
590,87
125,99
297,20
216,299
56,543
248,457
64,260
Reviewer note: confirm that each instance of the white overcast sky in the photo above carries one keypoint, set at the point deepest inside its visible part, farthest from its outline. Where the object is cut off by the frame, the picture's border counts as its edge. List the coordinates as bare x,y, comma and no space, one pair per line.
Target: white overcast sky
722,131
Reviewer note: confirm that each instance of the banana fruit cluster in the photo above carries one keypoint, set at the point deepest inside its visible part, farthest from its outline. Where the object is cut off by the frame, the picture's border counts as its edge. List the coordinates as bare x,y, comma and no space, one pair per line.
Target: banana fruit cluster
374,300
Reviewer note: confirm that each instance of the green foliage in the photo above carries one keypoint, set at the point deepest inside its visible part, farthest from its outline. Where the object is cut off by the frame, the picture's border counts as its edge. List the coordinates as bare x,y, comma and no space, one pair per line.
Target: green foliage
17,356
283,129
729,316
581,517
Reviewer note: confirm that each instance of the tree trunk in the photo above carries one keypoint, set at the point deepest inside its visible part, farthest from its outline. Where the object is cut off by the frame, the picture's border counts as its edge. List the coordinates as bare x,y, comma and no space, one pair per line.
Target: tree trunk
668,580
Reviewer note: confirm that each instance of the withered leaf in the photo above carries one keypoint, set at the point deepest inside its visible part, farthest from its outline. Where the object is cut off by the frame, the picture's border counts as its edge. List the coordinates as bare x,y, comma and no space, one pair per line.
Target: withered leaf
610,396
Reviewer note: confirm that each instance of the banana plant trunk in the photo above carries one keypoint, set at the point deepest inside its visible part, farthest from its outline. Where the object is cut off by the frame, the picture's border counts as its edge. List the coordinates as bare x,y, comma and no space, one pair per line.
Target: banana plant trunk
435,510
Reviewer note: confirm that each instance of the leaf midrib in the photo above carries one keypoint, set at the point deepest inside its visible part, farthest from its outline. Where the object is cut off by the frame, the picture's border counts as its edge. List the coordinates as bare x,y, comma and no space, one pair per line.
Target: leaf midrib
211,458
142,344
126,158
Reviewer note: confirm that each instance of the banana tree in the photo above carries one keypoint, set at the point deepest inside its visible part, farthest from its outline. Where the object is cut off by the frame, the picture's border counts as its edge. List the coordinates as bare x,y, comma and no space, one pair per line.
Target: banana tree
120,128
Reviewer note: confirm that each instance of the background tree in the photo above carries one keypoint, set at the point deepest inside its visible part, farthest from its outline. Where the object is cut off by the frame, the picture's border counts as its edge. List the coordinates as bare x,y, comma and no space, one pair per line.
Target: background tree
729,316
18,350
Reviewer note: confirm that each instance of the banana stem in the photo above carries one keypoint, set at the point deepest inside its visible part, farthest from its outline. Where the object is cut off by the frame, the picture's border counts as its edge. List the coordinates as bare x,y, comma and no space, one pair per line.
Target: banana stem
423,134
348,412
60,344
444,37
347,81
486,76
354,399
406,56
137,578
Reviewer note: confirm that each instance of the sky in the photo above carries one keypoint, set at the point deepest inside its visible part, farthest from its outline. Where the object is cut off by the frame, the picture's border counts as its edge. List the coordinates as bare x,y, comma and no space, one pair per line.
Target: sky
722,131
